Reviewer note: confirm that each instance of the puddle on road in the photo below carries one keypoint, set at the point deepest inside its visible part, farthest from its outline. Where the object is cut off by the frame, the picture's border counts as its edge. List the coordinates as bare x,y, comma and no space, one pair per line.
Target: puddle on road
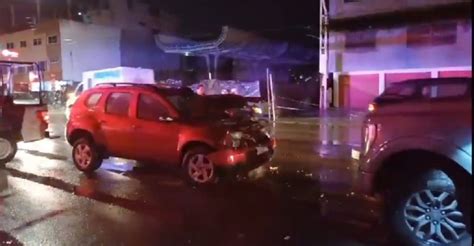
46,155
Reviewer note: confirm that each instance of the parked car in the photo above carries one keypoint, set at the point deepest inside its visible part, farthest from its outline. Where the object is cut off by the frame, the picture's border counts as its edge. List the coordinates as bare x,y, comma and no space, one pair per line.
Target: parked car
202,134
416,153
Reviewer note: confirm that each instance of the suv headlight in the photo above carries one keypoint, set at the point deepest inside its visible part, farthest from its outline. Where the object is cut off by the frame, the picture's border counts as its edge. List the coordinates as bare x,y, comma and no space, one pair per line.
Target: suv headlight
257,110
370,133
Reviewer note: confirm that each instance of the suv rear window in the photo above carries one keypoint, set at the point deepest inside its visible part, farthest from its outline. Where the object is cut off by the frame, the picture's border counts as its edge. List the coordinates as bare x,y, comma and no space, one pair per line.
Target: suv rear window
118,103
93,100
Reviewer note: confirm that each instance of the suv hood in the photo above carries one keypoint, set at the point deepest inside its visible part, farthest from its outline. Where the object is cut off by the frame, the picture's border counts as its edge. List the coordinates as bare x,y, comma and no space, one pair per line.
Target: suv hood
229,108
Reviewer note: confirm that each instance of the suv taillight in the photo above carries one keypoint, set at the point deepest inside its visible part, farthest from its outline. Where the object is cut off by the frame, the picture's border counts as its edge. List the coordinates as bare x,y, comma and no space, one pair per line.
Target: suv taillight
43,115
370,133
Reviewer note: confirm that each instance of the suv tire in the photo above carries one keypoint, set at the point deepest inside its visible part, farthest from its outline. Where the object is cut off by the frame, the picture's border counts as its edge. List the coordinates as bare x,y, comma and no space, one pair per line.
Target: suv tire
198,169
424,211
85,155
8,149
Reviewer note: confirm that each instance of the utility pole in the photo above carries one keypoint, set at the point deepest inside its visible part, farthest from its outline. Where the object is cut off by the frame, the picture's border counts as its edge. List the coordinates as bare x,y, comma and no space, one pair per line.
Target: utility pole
12,15
323,53
69,13
38,10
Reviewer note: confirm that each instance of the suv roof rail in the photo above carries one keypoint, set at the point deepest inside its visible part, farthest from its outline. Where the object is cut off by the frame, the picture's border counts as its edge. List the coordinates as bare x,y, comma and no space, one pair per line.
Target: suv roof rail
111,84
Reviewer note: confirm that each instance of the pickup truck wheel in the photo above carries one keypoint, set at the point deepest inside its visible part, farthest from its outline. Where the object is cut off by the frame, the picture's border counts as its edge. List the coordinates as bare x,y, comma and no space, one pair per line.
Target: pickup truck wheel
425,212
198,168
8,149
86,156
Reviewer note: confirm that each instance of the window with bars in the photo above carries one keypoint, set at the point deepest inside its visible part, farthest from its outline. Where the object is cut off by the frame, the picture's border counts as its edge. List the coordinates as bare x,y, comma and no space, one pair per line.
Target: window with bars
361,39
53,39
432,34
37,41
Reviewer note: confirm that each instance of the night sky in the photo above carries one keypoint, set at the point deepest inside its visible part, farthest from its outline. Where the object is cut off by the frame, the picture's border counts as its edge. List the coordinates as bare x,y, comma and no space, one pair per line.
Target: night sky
246,14
280,18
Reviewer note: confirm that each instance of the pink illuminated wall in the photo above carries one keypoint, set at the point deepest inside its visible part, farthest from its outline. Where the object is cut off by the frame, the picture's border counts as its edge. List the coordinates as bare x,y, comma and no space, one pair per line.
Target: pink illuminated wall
363,89
445,74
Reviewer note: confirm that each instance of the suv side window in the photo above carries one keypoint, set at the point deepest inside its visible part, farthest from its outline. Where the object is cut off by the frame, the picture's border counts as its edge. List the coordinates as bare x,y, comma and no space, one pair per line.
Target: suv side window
93,99
118,103
448,90
150,109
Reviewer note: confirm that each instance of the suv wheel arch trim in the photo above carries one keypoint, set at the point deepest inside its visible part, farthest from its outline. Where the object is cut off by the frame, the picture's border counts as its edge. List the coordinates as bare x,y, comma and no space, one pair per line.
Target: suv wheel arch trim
389,149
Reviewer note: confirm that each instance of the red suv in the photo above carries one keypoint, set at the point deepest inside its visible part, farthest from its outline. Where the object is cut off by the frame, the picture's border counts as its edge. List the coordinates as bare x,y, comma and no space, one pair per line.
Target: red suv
201,134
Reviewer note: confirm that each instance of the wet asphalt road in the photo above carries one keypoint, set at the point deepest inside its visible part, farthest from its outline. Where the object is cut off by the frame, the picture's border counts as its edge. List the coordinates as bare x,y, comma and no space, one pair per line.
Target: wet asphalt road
300,198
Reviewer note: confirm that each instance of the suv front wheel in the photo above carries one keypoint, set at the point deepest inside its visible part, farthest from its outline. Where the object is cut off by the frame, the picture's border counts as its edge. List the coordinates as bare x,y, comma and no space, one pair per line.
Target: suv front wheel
425,211
198,168
85,155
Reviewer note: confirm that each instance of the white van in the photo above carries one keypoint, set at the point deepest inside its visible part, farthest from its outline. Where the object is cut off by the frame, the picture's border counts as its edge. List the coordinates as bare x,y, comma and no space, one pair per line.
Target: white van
110,75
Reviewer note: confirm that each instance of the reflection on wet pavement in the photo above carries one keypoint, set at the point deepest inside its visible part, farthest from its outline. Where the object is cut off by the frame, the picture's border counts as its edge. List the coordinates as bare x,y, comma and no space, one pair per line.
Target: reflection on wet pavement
302,197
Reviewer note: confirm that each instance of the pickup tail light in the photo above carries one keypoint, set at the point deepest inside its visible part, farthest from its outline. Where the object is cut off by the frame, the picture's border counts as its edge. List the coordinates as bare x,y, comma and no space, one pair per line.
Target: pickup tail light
370,133
43,116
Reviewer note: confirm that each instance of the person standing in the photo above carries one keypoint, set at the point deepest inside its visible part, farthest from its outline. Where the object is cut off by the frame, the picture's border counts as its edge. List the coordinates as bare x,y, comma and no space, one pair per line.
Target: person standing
201,90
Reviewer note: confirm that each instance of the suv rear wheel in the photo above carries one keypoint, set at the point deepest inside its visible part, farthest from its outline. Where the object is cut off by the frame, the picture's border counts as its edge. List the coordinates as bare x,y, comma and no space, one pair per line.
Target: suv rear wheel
198,168
425,211
85,155
8,149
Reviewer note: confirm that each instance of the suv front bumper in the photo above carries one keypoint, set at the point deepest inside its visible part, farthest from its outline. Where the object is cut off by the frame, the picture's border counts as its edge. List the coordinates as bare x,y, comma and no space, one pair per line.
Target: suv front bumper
243,158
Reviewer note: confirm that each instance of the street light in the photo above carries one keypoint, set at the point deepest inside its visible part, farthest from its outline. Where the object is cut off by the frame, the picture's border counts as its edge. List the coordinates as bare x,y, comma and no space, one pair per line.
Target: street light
323,53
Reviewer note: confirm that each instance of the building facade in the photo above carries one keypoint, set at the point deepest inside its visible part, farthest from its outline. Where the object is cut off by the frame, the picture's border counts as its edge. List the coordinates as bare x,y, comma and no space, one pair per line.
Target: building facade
129,15
373,44
66,48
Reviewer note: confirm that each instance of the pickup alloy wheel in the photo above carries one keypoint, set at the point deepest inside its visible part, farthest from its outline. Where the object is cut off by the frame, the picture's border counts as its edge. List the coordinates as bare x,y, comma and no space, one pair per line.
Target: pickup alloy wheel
424,211
434,217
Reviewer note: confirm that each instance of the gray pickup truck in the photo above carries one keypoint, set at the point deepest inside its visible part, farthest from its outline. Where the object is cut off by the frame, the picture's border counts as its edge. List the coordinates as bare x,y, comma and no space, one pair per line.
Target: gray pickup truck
417,154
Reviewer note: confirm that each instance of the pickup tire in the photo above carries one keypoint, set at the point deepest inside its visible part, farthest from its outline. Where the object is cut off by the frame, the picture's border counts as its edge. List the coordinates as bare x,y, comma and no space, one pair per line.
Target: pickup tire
8,149
86,155
425,211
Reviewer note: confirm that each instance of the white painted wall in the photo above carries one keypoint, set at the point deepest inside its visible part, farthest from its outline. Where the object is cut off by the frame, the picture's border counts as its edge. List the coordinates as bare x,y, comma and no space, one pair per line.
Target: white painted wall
30,53
88,47
391,52
339,9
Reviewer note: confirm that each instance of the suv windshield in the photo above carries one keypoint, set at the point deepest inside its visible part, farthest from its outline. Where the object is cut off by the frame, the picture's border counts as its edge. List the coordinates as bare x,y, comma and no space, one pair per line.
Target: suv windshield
190,104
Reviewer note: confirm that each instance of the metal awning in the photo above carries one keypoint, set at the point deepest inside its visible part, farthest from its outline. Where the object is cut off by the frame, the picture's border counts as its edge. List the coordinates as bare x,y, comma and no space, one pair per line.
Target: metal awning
239,44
